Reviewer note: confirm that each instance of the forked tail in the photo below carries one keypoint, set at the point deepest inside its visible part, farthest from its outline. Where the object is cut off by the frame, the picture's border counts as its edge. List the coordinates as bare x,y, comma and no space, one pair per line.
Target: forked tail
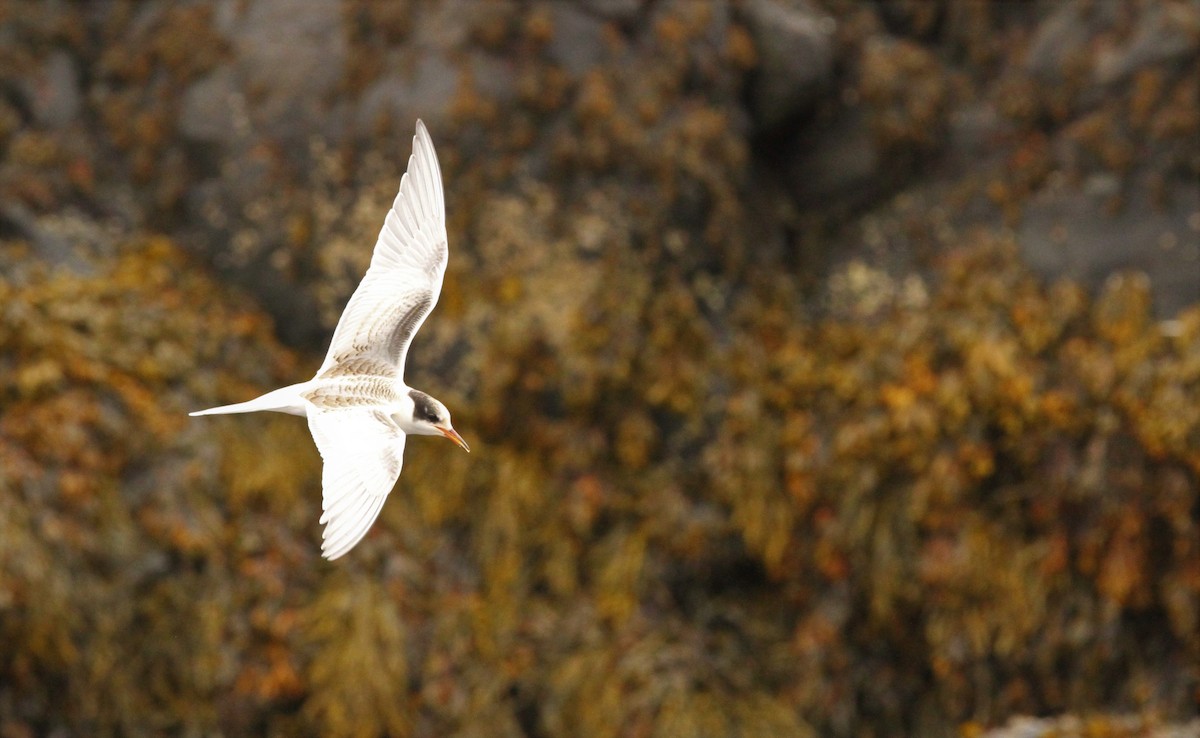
283,400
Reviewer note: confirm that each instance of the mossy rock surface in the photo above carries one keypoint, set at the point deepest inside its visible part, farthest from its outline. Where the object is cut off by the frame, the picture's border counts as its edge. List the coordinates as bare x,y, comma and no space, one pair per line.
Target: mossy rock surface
741,464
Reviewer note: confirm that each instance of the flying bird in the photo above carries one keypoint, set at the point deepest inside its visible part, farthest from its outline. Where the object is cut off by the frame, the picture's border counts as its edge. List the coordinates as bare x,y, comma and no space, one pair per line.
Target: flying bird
359,409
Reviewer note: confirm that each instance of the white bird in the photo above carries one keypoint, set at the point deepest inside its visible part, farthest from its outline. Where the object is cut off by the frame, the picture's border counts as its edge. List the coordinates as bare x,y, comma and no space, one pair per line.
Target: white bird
358,407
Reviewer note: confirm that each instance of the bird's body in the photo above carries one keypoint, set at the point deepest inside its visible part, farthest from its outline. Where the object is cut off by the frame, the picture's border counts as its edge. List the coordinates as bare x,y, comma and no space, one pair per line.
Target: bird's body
358,407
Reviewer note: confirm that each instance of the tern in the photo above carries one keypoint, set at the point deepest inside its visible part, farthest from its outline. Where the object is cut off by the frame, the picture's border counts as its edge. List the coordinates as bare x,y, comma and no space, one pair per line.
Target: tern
359,409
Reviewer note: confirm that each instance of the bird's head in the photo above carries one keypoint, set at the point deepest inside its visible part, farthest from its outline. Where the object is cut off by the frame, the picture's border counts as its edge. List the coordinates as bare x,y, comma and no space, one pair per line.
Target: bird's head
431,418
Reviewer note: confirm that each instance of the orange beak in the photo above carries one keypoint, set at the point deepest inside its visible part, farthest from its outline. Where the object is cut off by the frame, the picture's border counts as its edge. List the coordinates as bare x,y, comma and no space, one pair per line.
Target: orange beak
453,436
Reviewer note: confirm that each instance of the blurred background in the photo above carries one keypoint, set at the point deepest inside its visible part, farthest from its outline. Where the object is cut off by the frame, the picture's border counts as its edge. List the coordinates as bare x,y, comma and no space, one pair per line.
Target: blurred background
830,368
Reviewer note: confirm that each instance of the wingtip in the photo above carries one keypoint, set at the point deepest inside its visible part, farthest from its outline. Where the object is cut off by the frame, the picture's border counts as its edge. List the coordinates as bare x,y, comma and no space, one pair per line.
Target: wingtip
336,550
422,140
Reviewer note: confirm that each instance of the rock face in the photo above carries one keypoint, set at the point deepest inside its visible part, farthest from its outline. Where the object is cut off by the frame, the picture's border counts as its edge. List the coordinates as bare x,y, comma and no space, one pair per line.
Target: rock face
285,61
1119,190
53,92
832,367
1086,233
1069,120
1070,727
795,44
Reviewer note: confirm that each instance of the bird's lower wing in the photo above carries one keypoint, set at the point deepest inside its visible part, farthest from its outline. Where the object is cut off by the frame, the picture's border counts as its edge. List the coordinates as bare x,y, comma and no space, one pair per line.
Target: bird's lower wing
363,451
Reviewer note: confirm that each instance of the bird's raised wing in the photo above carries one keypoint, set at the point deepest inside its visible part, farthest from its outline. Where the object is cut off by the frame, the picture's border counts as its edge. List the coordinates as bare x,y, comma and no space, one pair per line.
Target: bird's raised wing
363,451
405,277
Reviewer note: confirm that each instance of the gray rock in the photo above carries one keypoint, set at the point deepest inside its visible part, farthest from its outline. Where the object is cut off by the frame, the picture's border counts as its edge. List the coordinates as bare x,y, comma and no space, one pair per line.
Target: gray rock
617,10
290,54
577,42
495,78
973,131
1073,726
213,108
61,239
287,58
53,91
444,25
795,46
423,90
836,161
1064,35
1164,33
18,220
1066,232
